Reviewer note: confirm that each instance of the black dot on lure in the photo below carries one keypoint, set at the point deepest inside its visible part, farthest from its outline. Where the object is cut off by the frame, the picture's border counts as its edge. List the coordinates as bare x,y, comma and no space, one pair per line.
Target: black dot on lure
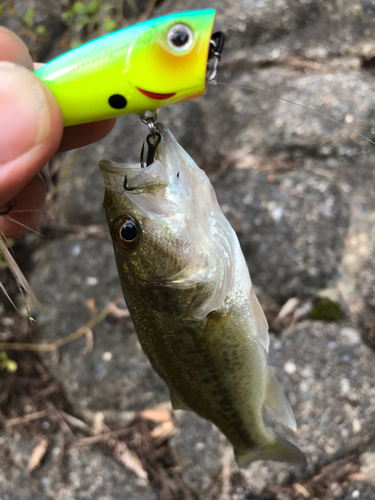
129,231
117,101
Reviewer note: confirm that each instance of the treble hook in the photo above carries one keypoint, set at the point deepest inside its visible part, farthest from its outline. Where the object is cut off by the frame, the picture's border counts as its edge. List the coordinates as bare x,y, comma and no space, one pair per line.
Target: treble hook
214,54
153,142
153,139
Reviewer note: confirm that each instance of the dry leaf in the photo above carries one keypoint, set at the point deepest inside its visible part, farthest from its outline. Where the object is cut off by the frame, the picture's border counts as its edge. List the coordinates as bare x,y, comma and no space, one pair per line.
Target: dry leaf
301,490
37,455
98,426
246,161
75,422
157,415
357,476
288,308
226,475
163,431
130,460
90,304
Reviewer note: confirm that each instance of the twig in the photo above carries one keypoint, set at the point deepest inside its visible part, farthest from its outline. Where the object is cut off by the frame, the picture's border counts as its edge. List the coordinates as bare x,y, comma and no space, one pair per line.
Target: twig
69,338
100,438
51,389
75,422
26,418
60,420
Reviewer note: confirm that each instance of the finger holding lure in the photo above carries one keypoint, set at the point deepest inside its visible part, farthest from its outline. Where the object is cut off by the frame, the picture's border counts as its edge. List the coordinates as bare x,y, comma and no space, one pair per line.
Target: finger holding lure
140,68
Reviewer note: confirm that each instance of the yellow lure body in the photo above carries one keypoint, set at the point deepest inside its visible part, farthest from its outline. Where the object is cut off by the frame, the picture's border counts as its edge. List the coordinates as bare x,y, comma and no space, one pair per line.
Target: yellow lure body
143,67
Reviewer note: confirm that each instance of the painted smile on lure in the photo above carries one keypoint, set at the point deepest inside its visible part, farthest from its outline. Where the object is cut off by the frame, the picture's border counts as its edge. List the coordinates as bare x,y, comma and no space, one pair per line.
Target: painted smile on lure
156,96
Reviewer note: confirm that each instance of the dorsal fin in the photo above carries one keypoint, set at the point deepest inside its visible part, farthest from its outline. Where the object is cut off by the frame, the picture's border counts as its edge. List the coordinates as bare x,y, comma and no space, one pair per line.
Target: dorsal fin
276,402
260,321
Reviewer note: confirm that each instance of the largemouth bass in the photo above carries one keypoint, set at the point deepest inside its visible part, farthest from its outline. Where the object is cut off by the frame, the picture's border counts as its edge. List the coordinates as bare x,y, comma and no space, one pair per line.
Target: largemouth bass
188,290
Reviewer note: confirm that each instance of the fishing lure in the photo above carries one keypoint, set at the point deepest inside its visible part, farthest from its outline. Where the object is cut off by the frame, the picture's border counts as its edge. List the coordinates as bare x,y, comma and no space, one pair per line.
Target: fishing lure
136,69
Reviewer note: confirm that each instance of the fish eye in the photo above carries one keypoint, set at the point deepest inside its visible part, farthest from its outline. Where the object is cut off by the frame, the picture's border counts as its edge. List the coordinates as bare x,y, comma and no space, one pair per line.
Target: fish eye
180,37
125,232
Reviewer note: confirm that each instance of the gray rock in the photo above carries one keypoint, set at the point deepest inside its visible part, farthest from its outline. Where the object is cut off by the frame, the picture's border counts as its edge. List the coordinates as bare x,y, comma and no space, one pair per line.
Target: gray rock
79,474
67,274
291,229
199,448
359,490
330,389
357,179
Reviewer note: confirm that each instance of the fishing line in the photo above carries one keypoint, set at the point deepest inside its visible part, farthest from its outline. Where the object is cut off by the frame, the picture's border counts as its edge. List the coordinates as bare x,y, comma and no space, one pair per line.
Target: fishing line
2,287
288,101
22,283
21,224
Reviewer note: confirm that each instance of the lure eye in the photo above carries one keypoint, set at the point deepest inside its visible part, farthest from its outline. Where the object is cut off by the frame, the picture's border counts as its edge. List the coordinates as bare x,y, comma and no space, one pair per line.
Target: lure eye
125,232
180,37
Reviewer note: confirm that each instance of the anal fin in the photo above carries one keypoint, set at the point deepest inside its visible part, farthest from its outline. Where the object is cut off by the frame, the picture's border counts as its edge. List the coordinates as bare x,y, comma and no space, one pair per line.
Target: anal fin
276,402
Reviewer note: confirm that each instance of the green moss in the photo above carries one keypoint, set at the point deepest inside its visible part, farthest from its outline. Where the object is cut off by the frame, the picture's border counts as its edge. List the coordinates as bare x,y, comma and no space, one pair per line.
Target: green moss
326,310
29,17
41,30
109,25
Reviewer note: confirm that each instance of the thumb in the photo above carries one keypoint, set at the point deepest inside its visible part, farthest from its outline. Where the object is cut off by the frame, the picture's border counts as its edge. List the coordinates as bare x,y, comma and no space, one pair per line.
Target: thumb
30,128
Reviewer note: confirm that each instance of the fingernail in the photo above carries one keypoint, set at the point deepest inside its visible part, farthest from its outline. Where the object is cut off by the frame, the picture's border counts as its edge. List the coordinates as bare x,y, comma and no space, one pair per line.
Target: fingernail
24,111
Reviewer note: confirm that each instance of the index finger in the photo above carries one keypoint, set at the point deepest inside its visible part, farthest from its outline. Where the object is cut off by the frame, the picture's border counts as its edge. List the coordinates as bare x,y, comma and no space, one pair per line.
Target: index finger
12,49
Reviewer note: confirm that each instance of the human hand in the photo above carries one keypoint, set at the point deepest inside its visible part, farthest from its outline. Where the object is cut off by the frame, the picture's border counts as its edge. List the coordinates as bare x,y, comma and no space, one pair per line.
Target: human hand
31,131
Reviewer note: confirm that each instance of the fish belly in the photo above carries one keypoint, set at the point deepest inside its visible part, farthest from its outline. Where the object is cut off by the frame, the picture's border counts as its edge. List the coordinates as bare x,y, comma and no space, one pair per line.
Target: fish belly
214,366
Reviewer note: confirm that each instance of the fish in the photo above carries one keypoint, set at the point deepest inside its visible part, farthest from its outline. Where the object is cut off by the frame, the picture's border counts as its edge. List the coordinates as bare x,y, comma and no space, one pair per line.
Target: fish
136,69
188,290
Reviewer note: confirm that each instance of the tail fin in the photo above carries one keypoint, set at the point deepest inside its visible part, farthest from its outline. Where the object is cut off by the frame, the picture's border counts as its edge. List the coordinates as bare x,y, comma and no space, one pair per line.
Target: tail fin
278,449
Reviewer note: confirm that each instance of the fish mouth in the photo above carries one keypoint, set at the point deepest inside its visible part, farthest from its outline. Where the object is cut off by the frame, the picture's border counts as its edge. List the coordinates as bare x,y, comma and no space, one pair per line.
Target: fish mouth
155,95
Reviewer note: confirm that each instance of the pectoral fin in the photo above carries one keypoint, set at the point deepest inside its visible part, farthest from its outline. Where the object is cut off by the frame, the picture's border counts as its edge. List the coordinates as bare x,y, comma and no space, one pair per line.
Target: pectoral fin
276,402
177,404
260,321
278,449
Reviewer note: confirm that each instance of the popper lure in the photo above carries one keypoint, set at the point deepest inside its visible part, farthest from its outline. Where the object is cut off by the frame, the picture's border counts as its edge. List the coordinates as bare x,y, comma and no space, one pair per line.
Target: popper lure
136,69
